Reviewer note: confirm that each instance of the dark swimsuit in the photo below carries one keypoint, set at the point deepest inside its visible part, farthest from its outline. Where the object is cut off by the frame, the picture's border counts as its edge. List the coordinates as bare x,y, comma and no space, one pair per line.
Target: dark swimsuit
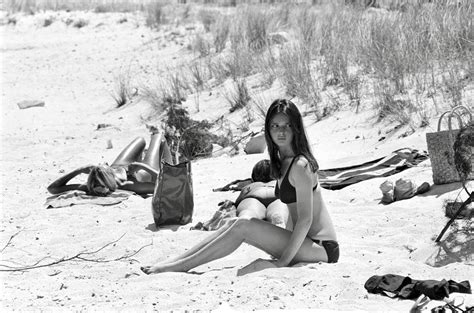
287,194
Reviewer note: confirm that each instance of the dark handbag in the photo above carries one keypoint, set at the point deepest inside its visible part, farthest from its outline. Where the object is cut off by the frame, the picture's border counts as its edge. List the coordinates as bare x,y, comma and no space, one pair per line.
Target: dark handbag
173,201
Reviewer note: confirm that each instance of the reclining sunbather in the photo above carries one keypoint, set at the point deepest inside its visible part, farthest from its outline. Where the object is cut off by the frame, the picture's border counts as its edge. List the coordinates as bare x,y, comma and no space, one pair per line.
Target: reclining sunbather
128,172
258,199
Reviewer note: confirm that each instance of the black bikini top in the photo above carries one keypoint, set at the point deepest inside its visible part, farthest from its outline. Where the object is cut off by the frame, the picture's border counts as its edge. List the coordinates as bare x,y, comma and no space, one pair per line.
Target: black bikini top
288,192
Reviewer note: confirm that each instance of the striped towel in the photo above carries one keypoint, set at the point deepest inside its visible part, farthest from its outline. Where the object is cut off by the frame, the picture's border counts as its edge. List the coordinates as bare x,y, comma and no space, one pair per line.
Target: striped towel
396,162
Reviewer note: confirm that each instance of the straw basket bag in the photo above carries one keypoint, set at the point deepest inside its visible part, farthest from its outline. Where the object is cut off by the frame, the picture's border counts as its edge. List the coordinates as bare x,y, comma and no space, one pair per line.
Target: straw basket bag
440,146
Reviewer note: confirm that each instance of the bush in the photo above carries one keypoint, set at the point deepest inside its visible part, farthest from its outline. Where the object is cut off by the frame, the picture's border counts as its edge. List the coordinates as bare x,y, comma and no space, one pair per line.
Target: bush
155,15
189,138
80,23
240,98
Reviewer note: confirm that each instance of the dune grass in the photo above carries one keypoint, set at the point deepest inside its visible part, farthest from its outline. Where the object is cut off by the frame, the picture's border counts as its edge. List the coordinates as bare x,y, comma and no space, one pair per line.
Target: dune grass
416,51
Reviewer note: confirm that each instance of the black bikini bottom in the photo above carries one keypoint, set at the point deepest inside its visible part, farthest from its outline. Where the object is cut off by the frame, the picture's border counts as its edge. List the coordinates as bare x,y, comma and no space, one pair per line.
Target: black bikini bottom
331,247
266,201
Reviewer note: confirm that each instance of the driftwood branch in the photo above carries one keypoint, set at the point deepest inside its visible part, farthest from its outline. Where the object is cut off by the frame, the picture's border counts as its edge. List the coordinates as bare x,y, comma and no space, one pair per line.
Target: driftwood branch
81,256
9,241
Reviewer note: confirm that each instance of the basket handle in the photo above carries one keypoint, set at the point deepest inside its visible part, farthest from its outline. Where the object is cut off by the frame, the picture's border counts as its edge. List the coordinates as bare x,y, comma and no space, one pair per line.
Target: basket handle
450,116
466,111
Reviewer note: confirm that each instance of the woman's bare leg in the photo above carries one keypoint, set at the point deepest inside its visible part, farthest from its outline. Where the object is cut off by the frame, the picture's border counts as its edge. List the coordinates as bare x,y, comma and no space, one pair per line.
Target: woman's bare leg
151,158
203,243
247,208
260,234
131,153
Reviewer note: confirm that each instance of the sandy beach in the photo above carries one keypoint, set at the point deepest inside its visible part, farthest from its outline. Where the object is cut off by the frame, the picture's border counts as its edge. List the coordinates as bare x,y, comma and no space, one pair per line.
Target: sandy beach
73,71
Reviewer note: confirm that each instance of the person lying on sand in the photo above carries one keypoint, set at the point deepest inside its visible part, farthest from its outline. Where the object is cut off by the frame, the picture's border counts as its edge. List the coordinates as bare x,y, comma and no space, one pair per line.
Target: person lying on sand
128,172
258,200
313,238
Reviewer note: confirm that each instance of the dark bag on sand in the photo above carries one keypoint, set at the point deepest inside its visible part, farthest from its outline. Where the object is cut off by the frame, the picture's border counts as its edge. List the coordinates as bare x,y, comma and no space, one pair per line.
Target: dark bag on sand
173,201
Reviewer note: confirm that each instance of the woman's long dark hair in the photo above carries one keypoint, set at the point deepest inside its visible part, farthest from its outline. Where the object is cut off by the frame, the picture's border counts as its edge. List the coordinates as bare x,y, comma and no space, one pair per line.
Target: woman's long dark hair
299,144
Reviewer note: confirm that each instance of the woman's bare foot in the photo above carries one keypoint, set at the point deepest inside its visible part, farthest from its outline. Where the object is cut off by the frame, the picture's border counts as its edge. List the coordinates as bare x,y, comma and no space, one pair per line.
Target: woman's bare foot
150,269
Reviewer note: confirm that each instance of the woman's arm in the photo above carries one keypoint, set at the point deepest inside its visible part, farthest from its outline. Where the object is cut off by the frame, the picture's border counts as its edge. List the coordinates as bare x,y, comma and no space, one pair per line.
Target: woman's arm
243,193
301,177
141,188
60,184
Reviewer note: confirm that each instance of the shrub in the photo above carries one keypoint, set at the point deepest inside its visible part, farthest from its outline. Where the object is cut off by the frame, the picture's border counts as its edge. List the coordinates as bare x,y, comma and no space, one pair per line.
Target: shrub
240,97
155,16
189,138
393,109
207,18
122,92
79,23
220,31
48,21
298,76
199,75
201,46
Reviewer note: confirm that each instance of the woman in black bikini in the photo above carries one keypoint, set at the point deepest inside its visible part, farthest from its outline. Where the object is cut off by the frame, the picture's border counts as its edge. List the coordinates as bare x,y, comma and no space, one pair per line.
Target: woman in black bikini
128,172
313,237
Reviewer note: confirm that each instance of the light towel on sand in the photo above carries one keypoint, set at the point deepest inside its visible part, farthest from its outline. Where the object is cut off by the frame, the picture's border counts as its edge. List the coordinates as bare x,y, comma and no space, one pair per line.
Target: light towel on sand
75,197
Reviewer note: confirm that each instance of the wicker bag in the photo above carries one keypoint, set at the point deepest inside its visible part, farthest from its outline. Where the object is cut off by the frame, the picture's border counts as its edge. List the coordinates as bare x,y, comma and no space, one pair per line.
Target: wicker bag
440,147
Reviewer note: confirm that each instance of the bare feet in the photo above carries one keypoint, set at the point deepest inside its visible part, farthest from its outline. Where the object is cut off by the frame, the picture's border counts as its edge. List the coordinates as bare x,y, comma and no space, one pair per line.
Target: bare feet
150,269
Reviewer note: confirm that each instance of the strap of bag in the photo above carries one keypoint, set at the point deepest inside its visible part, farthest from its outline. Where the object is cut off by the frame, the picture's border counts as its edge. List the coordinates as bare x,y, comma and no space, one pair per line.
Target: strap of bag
450,115
465,109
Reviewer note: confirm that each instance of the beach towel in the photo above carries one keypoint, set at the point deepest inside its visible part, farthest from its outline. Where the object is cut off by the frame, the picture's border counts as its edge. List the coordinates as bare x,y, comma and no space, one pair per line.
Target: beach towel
404,287
75,197
397,161
338,178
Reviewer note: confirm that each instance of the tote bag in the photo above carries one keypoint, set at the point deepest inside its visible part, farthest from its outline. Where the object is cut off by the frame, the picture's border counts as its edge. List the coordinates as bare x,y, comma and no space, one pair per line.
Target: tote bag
173,201
440,147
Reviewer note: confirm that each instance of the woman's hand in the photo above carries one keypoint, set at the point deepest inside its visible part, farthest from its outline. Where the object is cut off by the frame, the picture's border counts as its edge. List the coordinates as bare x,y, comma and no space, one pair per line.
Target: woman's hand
258,265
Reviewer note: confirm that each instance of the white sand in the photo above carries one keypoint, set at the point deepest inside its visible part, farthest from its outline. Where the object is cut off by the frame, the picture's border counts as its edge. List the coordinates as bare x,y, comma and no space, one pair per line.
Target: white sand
73,70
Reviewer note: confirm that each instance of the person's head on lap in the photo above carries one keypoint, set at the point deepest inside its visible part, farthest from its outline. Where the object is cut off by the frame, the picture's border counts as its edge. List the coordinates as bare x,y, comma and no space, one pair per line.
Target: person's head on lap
261,172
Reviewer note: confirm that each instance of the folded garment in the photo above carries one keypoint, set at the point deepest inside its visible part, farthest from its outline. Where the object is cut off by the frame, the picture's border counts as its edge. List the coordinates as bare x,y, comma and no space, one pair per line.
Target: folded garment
396,162
226,212
75,197
403,189
392,285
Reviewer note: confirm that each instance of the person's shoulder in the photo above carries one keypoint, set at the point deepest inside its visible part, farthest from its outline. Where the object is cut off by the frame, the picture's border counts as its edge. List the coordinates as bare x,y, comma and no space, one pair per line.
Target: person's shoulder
301,166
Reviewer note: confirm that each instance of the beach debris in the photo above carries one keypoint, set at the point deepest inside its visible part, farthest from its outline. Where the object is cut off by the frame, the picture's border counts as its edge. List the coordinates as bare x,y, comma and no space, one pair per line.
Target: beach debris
85,256
25,104
103,125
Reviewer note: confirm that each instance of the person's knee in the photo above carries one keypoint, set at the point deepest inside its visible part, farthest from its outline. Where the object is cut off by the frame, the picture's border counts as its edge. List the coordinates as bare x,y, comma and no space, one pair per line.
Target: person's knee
244,224
140,140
